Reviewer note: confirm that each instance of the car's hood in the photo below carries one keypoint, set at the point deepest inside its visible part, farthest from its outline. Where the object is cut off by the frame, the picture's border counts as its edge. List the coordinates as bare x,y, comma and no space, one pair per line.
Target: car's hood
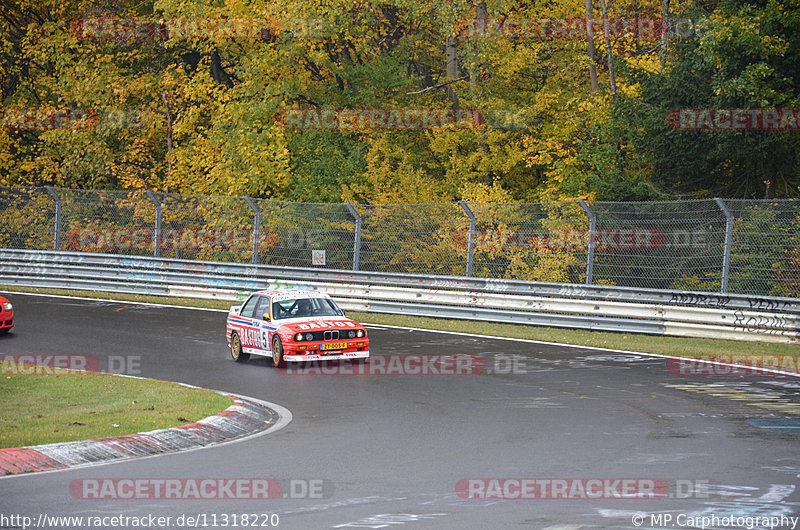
318,323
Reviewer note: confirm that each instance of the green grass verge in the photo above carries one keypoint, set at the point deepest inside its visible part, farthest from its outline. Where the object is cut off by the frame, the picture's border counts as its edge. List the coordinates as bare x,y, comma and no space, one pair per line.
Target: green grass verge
686,347
678,346
62,406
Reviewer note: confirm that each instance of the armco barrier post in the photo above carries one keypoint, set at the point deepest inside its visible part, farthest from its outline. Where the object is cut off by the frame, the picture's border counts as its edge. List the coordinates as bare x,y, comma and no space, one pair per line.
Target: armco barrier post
471,237
57,198
592,236
157,233
357,238
726,259
256,226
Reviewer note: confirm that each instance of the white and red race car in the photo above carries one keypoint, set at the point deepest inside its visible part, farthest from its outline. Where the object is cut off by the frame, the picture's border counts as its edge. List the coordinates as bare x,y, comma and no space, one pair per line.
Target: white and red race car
292,326
6,316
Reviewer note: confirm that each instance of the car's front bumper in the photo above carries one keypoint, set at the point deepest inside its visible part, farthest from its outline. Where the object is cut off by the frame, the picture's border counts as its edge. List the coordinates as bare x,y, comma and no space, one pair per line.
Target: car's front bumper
297,357
6,320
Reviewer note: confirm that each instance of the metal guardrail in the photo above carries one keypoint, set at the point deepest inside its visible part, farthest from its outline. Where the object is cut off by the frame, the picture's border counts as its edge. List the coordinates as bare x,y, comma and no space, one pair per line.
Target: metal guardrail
599,308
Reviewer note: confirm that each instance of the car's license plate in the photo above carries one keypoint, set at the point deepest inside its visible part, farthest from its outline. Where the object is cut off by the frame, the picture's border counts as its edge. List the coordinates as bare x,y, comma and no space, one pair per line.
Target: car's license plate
334,346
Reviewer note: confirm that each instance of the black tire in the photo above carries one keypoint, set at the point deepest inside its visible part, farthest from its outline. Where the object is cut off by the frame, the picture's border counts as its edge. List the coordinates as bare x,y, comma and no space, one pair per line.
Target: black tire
277,352
236,350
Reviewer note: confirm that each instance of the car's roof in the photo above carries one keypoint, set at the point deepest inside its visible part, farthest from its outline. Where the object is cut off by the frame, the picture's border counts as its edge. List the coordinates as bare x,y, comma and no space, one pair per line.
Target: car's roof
291,293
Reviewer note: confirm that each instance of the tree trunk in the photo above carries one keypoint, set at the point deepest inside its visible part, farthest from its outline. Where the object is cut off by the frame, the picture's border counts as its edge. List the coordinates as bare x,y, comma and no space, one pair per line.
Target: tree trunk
345,60
451,53
664,34
591,50
611,80
169,135
452,57
481,12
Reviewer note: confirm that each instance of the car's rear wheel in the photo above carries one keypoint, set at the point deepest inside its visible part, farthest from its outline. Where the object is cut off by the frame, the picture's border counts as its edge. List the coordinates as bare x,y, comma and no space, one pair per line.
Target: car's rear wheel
277,353
236,349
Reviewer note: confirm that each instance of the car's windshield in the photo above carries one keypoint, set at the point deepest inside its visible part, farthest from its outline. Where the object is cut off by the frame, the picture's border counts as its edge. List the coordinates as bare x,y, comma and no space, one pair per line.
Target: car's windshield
305,307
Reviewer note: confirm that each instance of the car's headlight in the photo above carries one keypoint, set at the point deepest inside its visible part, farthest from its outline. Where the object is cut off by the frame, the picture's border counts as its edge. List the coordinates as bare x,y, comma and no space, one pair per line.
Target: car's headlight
360,333
298,337
351,334
301,337
7,306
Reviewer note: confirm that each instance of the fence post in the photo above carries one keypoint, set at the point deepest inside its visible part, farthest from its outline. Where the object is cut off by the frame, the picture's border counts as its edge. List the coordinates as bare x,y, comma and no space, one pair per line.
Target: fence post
357,242
57,198
157,234
592,237
471,237
256,226
726,259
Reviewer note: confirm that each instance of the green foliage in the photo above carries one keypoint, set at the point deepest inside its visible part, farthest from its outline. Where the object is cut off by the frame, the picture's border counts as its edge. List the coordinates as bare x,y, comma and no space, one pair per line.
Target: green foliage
197,113
748,57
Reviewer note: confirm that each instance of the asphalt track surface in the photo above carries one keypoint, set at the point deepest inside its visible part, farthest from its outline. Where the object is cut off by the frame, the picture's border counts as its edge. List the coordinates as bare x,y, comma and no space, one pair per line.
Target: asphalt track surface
390,449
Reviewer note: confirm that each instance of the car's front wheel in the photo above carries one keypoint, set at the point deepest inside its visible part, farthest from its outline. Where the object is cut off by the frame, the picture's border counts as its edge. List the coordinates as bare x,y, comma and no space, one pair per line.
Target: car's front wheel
277,353
236,349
